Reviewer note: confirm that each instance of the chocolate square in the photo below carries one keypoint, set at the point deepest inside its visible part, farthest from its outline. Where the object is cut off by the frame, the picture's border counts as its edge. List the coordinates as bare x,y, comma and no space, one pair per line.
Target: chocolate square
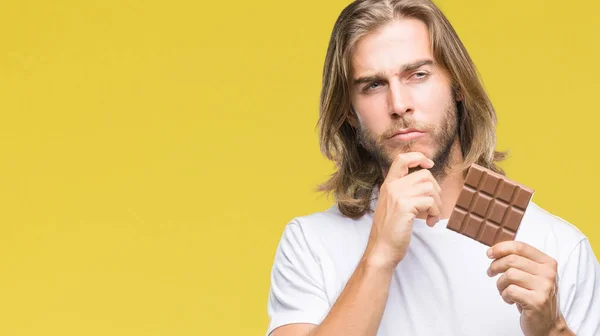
490,207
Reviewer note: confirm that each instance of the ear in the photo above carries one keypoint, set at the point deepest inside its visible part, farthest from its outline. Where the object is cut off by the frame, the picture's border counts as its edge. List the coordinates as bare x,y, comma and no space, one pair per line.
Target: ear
458,93
353,118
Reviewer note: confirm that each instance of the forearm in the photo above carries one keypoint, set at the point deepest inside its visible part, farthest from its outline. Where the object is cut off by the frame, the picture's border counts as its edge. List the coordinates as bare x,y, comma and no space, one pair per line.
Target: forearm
359,308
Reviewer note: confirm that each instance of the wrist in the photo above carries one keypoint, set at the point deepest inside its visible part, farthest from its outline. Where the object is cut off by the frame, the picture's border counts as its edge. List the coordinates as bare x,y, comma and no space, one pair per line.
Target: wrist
378,262
560,328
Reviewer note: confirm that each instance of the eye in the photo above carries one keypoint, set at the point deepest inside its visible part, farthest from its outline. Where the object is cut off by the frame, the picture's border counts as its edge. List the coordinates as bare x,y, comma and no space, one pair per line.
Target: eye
373,86
420,75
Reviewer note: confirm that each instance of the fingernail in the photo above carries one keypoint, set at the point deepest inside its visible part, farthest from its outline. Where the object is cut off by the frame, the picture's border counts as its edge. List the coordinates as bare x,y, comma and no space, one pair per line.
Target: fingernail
431,161
489,272
489,252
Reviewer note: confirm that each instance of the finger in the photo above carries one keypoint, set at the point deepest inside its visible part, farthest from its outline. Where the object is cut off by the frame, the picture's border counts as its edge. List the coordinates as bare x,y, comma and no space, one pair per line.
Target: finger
402,162
424,205
426,188
432,220
515,294
423,184
421,176
517,277
438,201
526,298
516,247
420,183
514,261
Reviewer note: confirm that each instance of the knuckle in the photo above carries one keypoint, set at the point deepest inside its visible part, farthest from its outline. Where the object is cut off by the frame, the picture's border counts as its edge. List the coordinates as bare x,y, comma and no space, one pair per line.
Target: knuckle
548,286
550,270
509,293
494,266
520,248
510,274
499,248
539,301
428,174
500,285
401,205
513,260
423,175
510,290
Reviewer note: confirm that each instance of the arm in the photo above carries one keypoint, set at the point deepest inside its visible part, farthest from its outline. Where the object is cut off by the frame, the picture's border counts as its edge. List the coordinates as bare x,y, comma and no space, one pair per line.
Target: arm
359,308
580,291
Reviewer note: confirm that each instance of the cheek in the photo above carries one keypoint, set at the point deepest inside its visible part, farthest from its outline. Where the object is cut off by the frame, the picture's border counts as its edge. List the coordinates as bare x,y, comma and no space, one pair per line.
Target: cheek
432,101
372,112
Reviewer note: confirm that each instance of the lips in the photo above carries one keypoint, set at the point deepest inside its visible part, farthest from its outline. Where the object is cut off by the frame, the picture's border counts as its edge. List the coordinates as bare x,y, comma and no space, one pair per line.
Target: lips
407,134
406,131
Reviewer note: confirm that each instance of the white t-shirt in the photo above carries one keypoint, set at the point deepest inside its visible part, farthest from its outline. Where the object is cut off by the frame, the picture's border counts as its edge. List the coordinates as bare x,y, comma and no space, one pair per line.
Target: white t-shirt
439,288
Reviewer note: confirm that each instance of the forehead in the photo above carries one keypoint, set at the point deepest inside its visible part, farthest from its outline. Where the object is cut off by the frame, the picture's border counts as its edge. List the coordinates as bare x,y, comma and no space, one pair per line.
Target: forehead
393,45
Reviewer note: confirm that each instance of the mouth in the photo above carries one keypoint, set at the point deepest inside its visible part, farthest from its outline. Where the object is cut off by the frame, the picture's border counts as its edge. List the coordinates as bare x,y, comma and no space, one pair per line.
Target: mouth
407,134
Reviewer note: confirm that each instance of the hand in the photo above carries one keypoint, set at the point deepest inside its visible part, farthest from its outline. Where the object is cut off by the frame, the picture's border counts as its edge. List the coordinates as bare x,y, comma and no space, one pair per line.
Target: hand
530,281
402,197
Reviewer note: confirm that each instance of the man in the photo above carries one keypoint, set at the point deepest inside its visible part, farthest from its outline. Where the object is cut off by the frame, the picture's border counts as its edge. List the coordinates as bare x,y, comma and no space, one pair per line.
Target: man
403,115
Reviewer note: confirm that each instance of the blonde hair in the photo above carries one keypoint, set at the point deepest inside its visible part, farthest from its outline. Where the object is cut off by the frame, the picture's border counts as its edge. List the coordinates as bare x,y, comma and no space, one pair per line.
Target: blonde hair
357,173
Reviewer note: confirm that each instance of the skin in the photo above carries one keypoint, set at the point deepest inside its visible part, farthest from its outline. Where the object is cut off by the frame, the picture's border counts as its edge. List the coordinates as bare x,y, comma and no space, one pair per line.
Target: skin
420,183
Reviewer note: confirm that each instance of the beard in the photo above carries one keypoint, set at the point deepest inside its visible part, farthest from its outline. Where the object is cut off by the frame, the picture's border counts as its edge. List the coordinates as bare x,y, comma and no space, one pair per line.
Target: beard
443,136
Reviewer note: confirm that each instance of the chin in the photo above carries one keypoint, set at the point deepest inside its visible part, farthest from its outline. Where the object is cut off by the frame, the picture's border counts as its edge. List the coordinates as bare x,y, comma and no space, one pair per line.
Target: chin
414,148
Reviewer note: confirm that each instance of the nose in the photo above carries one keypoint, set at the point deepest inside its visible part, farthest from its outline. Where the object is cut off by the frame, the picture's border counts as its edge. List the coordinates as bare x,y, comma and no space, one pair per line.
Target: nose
400,100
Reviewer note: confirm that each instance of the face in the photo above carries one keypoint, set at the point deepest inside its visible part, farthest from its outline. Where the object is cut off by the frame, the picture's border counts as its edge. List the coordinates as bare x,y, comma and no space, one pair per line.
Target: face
403,100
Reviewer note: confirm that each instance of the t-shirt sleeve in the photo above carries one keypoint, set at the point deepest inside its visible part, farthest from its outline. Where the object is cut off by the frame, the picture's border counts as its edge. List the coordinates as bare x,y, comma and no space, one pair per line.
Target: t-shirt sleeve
580,288
297,293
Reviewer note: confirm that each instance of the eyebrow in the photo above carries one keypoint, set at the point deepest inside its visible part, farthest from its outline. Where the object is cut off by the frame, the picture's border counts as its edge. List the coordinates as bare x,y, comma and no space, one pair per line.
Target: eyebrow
405,68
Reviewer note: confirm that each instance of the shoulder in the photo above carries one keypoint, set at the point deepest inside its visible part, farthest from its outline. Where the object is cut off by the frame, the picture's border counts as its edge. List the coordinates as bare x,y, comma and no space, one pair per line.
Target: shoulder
330,223
327,233
540,221
549,233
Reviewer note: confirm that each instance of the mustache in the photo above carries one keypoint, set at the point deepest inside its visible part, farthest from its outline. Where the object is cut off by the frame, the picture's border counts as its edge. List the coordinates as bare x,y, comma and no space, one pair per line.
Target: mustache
403,123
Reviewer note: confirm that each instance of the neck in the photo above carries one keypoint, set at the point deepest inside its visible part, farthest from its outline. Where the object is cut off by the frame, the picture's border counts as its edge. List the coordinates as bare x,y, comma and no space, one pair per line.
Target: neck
451,186
452,183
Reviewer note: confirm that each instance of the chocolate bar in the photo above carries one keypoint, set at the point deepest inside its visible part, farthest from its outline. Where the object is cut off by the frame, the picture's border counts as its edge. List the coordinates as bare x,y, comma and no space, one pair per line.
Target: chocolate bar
490,207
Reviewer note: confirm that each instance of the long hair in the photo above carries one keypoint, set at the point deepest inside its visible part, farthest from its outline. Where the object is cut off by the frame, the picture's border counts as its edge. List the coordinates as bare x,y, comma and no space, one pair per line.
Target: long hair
357,173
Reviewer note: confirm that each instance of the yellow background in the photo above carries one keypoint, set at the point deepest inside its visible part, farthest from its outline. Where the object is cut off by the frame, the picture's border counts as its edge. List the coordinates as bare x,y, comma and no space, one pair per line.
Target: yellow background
151,152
